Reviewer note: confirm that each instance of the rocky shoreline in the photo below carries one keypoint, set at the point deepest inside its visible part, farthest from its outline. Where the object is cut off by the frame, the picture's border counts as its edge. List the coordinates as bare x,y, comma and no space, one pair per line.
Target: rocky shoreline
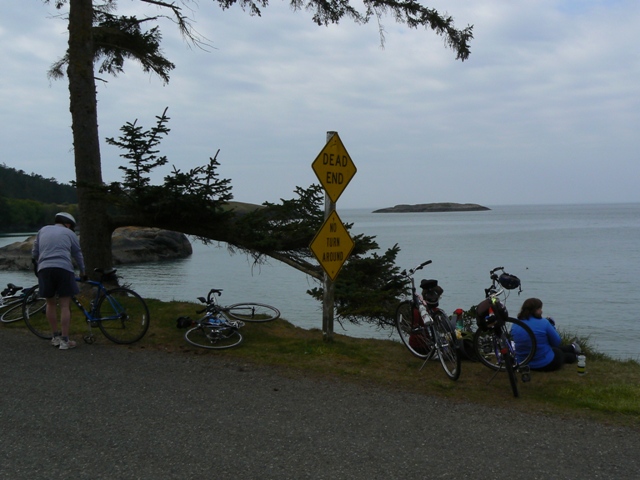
129,244
433,207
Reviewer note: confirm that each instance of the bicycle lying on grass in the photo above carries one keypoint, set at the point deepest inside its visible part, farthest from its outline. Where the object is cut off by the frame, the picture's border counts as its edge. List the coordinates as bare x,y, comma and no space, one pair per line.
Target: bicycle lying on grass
11,299
492,342
219,328
120,313
424,328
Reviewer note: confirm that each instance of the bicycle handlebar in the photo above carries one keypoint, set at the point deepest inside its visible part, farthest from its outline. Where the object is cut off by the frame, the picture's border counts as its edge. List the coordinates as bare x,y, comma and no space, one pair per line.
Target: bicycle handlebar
415,269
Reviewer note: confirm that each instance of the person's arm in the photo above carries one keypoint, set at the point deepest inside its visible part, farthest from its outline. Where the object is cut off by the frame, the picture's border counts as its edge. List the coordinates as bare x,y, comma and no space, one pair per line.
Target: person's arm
553,335
76,253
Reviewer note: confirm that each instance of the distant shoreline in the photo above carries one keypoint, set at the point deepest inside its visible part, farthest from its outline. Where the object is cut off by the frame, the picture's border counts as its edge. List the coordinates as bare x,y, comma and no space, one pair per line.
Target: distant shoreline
433,207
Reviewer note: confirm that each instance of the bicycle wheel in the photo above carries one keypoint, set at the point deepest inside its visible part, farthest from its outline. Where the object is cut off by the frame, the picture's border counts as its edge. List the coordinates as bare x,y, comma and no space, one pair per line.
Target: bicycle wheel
447,345
216,337
12,314
35,315
511,372
486,344
123,316
251,312
415,337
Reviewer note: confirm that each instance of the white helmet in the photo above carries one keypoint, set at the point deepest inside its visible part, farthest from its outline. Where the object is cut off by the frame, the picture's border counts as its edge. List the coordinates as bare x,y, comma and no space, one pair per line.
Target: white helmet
66,218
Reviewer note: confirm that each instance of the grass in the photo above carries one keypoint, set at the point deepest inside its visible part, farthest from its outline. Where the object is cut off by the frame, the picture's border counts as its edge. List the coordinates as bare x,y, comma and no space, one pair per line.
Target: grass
608,393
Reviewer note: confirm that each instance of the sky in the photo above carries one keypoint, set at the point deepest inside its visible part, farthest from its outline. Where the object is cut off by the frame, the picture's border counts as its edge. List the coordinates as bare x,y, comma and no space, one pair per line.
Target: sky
546,110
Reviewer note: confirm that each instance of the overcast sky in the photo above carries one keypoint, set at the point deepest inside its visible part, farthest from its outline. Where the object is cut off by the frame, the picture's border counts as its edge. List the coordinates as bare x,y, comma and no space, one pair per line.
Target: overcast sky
545,110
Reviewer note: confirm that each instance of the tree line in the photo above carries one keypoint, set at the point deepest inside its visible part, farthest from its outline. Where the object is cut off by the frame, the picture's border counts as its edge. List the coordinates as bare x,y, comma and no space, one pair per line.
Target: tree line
29,201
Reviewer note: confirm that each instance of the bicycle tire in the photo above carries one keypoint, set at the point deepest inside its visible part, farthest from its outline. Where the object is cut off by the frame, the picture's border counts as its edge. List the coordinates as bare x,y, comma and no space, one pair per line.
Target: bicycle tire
415,338
511,373
486,344
13,313
251,312
213,337
123,316
447,345
35,315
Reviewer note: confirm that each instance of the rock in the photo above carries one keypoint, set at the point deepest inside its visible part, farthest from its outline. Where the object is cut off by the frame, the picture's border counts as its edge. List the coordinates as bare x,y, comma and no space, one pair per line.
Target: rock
129,245
433,207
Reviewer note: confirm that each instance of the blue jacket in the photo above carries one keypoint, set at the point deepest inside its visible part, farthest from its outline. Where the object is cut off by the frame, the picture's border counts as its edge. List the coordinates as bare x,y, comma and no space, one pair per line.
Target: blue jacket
546,337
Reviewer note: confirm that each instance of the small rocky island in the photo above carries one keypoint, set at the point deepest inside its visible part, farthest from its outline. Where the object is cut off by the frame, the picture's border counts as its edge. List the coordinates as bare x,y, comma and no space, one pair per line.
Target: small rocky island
433,207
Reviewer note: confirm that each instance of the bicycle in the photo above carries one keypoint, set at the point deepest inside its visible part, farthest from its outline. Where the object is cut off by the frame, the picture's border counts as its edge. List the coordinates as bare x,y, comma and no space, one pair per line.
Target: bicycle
11,299
219,328
424,328
120,313
492,342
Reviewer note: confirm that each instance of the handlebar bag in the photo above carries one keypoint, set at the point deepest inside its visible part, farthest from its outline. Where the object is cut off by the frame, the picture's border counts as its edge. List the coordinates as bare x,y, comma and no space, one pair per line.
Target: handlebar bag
508,281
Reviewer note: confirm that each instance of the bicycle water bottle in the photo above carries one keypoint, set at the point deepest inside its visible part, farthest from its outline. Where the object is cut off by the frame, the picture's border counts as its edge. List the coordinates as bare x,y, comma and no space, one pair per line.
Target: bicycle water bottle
424,315
582,364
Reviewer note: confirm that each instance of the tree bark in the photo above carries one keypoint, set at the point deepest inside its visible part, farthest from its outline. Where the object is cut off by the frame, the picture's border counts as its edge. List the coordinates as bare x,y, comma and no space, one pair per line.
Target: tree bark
94,224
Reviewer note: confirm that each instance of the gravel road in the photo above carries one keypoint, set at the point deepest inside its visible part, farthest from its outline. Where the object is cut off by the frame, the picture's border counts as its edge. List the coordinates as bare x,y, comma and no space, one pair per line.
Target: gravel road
108,412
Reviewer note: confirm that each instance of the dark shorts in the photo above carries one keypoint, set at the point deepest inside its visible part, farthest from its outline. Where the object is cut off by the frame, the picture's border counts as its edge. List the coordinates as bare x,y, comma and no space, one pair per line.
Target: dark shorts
57,281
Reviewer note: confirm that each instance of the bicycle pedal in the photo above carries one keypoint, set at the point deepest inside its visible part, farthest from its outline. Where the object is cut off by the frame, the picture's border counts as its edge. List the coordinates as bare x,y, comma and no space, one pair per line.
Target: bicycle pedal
526,377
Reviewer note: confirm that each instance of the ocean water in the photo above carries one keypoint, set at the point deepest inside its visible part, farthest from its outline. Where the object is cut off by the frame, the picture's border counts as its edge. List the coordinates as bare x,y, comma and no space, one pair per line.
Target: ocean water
582,261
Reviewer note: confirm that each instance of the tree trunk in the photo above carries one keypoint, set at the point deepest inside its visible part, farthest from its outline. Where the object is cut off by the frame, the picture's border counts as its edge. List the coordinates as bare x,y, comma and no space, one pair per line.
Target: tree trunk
95,228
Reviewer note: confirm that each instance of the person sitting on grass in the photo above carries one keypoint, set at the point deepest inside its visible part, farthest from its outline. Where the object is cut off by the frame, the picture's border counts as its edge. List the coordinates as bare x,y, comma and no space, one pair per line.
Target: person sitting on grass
550,354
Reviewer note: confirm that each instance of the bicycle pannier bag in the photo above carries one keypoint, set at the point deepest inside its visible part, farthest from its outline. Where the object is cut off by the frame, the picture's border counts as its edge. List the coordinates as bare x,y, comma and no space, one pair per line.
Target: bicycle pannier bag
490,307
417,340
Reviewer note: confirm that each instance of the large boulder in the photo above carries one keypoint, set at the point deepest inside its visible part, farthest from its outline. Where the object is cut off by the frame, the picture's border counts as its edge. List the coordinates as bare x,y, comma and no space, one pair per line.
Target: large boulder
129,245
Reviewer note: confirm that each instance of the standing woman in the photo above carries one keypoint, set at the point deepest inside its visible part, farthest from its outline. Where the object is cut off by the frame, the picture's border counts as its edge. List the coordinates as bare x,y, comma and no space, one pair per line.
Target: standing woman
550,354
53,249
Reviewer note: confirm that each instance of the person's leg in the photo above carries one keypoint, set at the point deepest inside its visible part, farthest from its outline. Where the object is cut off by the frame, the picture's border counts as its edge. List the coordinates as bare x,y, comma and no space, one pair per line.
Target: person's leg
556,363
52,315
65,315
569,353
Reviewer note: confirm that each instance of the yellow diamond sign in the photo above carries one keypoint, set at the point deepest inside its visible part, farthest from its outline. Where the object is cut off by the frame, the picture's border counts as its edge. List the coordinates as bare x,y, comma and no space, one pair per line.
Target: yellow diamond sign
332,245
334,168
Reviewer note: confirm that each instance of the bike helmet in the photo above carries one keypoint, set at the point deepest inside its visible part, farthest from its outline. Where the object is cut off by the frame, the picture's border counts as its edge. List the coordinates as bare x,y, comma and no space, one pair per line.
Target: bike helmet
508,281
66,218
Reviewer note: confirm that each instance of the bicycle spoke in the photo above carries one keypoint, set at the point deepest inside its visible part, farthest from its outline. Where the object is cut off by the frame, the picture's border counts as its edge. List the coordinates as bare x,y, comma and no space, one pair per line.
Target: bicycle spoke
252,312
214,337
34,314
123,316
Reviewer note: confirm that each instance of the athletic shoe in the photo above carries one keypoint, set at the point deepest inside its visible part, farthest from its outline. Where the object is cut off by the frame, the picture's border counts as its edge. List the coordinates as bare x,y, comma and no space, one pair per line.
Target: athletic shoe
55,341
67,345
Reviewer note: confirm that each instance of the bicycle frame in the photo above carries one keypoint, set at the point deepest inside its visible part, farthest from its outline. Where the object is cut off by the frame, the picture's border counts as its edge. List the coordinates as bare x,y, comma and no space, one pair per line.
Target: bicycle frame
92,316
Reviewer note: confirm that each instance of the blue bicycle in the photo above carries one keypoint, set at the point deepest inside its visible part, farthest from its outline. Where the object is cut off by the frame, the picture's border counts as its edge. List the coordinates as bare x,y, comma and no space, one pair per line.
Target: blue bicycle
120,313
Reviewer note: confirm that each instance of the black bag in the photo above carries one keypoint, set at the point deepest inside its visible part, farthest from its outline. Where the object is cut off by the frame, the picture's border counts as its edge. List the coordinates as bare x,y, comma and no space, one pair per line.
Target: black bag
184,322
508,281
431,291
489,311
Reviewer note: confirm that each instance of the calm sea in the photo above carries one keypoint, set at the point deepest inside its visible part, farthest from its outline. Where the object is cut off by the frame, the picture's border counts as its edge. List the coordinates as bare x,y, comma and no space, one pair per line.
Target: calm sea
583,261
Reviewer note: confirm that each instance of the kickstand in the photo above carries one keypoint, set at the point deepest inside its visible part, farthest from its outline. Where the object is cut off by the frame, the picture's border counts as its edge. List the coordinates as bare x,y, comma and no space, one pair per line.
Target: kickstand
493,376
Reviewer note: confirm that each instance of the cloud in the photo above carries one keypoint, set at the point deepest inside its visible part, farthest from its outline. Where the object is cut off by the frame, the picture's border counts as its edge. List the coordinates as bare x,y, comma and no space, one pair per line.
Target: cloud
544,111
